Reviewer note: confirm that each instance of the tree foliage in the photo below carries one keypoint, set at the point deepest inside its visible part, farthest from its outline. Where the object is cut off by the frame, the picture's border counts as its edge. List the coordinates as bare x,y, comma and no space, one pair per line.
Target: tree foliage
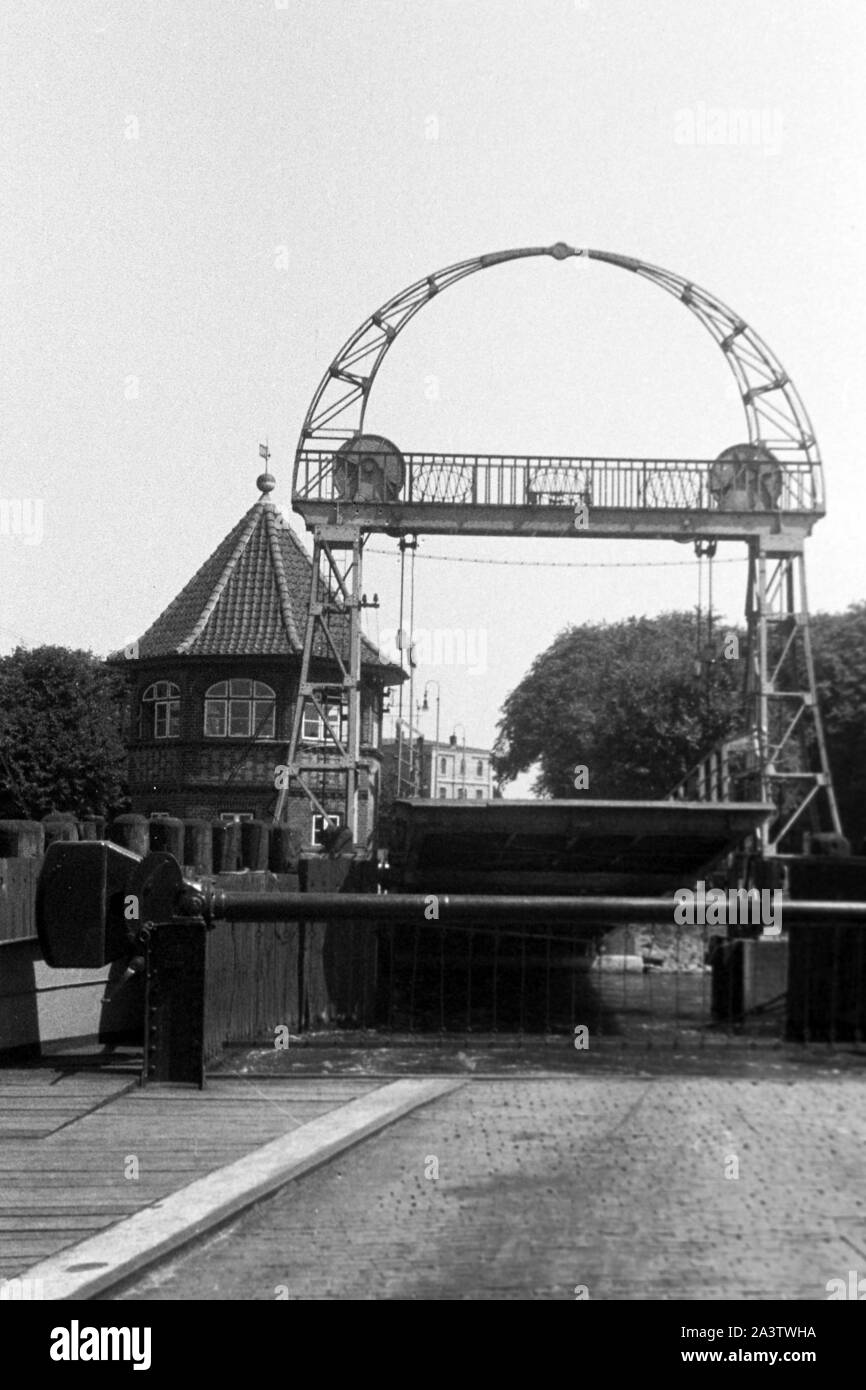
624,700
60,734
839,646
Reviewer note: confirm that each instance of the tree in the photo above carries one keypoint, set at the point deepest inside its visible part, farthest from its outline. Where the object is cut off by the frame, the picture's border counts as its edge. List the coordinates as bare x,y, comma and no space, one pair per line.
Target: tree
839,647
624,701
60,734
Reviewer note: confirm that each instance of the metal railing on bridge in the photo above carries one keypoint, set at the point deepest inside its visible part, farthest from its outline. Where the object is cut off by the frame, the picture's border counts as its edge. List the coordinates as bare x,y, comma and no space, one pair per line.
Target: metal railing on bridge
510,480
729,772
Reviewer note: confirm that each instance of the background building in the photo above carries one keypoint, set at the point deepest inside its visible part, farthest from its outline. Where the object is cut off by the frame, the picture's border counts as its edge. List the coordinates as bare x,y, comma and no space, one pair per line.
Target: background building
453,771
448,770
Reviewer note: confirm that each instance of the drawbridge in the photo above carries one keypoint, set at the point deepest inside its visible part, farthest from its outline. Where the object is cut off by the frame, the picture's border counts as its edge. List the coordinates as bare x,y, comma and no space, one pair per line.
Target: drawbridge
765,491
524,885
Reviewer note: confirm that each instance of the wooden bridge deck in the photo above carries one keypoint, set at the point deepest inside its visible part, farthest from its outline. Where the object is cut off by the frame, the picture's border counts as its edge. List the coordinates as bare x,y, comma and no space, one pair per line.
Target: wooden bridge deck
82,1150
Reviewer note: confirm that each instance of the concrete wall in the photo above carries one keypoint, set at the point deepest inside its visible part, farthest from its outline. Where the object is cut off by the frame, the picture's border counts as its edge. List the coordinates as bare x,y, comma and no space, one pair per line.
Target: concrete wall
40,1006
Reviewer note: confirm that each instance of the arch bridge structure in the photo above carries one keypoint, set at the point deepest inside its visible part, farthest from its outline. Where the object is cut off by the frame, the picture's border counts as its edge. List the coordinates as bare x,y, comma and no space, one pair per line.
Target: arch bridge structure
765,491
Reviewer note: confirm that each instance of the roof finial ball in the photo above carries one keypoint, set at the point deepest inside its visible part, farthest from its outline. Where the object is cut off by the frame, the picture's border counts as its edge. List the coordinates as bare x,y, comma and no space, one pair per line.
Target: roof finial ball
265,482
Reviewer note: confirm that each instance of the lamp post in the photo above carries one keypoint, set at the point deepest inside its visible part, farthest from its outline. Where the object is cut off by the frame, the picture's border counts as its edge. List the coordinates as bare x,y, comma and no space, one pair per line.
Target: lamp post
463,759
406,734
425,706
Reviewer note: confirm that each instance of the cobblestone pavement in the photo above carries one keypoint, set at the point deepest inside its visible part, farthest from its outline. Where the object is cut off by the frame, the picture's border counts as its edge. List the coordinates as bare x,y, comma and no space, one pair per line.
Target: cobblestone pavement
627,1182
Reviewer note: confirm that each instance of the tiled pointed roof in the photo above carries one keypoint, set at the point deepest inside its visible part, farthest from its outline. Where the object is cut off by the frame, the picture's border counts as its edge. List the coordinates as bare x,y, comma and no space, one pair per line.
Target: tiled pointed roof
249,598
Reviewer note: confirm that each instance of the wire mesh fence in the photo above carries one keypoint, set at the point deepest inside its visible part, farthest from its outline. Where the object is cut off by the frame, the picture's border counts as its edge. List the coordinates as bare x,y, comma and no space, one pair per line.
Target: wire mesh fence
637,986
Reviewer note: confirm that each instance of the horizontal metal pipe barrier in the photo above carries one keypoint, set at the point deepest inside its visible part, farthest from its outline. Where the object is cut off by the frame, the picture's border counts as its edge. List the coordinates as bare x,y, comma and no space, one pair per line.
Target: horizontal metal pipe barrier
473,908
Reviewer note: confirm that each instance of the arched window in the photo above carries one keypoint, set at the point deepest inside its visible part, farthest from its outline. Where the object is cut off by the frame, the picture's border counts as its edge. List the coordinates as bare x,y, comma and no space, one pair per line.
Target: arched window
239,709
160,711
479,768
443,765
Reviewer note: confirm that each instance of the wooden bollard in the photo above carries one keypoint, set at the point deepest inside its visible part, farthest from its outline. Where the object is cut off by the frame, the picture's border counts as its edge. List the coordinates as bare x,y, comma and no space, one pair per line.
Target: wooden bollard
166,833
254,844
59,825
226,847
198,845
130,831
285,850
21,839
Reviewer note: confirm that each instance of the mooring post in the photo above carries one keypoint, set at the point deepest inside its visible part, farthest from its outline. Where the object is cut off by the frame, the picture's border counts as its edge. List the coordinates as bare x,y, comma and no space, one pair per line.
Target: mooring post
174,1002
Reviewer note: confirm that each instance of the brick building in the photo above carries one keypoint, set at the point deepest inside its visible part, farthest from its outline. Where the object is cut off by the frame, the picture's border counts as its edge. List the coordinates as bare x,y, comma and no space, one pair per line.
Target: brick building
213,685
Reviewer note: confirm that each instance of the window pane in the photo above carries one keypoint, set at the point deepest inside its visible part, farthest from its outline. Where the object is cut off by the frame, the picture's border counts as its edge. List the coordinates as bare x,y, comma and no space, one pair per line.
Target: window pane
215,718
262,691
312,726
174,718
160,720
263,718
319,823
218,691
242,688
239,717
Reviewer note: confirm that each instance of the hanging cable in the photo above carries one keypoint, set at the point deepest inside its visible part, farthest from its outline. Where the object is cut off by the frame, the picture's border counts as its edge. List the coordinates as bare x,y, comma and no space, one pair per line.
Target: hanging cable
711,653
400,649
698,623
560,564
704,657
710,557
405,545
412,669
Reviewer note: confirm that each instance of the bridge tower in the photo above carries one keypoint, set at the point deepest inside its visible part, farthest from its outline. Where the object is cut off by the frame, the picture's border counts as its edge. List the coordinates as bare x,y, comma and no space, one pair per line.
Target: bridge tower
765,491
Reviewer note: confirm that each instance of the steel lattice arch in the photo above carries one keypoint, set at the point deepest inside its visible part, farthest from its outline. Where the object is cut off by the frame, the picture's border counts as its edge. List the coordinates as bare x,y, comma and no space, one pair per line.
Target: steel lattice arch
775,414
766,490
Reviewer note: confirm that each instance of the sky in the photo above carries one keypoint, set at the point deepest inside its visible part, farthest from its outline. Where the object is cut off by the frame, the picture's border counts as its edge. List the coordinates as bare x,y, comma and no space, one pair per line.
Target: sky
204,198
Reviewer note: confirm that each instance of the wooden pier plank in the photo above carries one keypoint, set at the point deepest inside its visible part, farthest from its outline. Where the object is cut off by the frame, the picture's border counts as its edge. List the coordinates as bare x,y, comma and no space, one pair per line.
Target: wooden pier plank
66,1141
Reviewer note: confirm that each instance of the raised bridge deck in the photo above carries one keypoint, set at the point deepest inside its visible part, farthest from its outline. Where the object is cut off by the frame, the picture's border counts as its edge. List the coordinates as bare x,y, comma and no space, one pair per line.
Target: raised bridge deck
625,847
